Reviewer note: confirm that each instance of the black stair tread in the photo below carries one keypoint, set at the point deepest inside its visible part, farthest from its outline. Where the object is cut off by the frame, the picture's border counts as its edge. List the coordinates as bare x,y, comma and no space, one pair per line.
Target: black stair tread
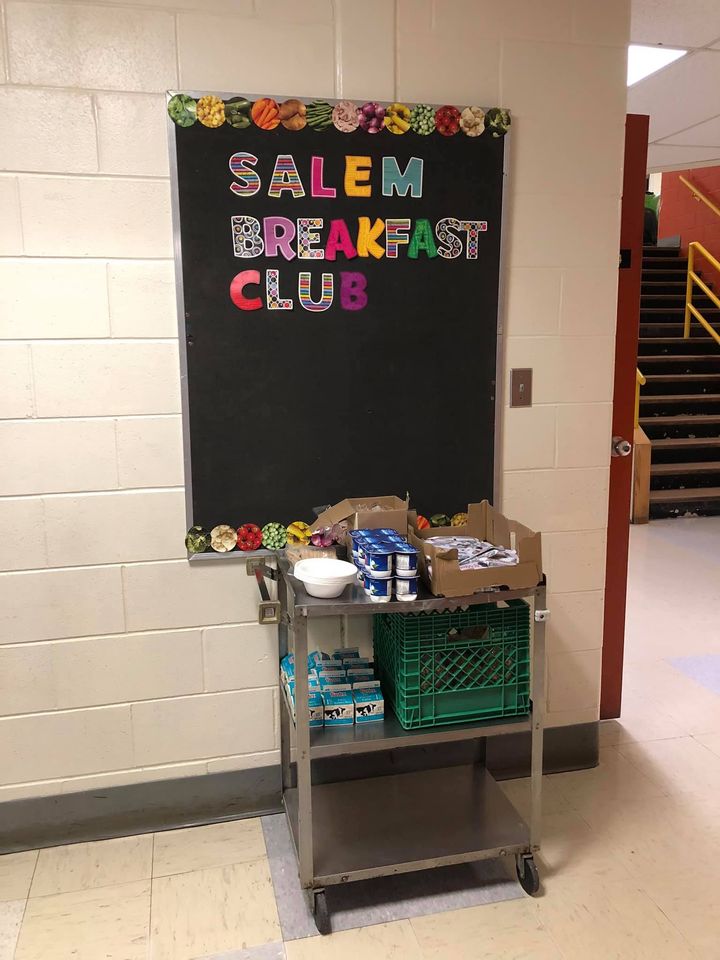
679,339
679,397
674,419
664,283
670,469
666,265
690,377
673,357
680,295
654,328
680,442
675,310
685,495
664,328
650,277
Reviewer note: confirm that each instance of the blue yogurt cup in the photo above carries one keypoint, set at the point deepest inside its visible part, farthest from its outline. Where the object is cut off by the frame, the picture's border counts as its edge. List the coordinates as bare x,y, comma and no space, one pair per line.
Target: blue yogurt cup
406,562
379,560
379,591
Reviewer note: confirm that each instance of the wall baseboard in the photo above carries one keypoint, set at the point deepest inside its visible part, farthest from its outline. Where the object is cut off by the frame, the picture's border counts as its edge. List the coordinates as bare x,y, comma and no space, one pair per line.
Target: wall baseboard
191,801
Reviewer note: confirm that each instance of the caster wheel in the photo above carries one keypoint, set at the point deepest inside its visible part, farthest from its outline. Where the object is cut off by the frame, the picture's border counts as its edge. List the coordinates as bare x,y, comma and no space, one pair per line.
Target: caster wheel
320,912
527,874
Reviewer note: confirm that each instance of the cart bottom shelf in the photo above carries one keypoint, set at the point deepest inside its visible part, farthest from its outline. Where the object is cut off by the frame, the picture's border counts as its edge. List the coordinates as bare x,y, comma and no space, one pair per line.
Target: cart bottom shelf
408,821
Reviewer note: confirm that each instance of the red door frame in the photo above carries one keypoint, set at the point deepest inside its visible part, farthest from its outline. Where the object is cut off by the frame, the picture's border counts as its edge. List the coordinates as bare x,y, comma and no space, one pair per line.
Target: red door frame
623,418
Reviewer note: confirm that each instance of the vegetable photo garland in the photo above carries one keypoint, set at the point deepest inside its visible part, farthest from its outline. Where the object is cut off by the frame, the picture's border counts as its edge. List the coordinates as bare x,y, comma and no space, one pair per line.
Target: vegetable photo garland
345,116
274,536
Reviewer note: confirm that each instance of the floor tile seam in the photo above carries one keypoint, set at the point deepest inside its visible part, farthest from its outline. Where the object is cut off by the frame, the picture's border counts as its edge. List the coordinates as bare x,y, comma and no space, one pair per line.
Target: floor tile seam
22,921
691,949
150,903
677,791
32,876
95,886
413,931
208,866
650,779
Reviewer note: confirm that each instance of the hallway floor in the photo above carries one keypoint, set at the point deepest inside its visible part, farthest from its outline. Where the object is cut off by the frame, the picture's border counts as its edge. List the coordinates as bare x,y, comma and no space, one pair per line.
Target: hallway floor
628,863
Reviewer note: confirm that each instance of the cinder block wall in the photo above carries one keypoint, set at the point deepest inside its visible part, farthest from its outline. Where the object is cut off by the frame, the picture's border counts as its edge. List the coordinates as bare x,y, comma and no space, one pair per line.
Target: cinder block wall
119,663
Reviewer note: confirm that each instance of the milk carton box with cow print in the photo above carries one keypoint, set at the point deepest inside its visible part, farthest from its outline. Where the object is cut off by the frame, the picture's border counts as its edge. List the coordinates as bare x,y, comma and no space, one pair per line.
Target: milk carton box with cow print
369,702
339,706
315,702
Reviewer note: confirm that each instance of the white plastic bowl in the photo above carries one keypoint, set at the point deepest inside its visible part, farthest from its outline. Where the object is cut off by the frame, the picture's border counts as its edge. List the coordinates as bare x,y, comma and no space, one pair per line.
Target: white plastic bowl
325,577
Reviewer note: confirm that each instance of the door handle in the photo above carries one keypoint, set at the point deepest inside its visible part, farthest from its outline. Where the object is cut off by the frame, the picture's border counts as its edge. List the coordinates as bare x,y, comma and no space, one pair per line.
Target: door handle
620,447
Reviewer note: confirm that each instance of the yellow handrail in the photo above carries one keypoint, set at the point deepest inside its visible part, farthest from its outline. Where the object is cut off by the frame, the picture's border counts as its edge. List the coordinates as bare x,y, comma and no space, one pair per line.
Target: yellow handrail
699,195
692,277
639,382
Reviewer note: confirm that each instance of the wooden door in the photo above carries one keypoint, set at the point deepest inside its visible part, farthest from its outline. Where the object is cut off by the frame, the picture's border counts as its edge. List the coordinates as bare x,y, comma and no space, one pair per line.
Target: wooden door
628,321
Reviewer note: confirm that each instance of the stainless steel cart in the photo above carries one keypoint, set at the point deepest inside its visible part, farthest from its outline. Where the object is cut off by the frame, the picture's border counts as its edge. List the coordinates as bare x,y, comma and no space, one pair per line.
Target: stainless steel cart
358,829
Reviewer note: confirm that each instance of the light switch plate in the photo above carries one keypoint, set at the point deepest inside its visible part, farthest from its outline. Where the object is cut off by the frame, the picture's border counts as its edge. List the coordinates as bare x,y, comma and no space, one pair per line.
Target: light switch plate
521,387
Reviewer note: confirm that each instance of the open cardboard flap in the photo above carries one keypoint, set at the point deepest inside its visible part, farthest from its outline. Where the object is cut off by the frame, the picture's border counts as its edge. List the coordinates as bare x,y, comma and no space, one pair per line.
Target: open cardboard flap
367,513
440,569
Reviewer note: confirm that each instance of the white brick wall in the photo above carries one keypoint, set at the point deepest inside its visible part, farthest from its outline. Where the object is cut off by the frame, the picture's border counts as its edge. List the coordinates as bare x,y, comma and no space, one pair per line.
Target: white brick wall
118,662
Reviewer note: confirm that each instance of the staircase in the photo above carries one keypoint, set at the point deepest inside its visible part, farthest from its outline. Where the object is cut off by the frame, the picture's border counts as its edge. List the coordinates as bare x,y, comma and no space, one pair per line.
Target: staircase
680,403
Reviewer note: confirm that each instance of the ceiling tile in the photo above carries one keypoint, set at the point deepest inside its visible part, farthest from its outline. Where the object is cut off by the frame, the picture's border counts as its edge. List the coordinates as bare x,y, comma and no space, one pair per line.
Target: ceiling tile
675,24
662,156
680,95
701,135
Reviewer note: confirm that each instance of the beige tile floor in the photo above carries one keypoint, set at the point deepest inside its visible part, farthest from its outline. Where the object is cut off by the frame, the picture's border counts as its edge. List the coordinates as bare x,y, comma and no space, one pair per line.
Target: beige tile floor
631,853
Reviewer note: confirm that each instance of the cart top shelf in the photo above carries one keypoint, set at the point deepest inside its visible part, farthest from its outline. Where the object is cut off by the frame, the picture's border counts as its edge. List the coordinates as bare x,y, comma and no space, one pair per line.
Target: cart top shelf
354,600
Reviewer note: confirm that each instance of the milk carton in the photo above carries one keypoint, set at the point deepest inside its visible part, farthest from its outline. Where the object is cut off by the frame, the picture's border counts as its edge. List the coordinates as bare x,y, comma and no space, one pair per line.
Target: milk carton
315,703
317,659
360,675
339,706
369,702
287,667
331,678
342,653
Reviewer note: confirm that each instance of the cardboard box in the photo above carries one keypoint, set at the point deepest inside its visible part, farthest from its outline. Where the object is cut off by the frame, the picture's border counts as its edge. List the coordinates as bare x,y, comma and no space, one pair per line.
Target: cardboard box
367,513
485,523
295,552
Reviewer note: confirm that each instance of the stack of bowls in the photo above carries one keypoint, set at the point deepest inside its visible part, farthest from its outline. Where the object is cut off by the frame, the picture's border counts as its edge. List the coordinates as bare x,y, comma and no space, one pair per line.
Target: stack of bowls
325,577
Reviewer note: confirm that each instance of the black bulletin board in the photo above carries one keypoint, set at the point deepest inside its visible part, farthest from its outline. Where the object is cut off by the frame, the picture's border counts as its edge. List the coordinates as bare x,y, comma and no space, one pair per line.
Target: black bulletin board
289,409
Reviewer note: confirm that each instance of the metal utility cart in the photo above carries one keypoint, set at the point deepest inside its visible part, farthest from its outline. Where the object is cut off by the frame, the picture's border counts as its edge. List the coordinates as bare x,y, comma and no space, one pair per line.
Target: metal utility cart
359,829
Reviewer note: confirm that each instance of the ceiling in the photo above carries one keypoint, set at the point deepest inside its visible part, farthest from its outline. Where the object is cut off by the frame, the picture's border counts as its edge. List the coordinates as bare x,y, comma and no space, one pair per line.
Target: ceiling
682,99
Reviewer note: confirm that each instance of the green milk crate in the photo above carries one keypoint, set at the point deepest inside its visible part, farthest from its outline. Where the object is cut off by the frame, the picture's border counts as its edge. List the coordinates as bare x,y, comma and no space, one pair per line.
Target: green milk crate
440,668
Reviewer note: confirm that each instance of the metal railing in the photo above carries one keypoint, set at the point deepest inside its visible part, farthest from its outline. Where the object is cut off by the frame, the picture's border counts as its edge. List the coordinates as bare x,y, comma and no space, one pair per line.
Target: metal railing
639,382
693,278
699,195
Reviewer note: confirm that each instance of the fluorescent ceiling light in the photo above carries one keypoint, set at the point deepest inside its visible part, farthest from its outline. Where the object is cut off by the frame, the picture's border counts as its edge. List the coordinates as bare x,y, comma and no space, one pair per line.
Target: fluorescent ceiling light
642,61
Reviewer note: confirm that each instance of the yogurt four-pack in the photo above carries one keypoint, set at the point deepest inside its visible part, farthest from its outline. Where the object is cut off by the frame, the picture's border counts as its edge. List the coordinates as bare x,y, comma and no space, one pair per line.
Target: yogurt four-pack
386,563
